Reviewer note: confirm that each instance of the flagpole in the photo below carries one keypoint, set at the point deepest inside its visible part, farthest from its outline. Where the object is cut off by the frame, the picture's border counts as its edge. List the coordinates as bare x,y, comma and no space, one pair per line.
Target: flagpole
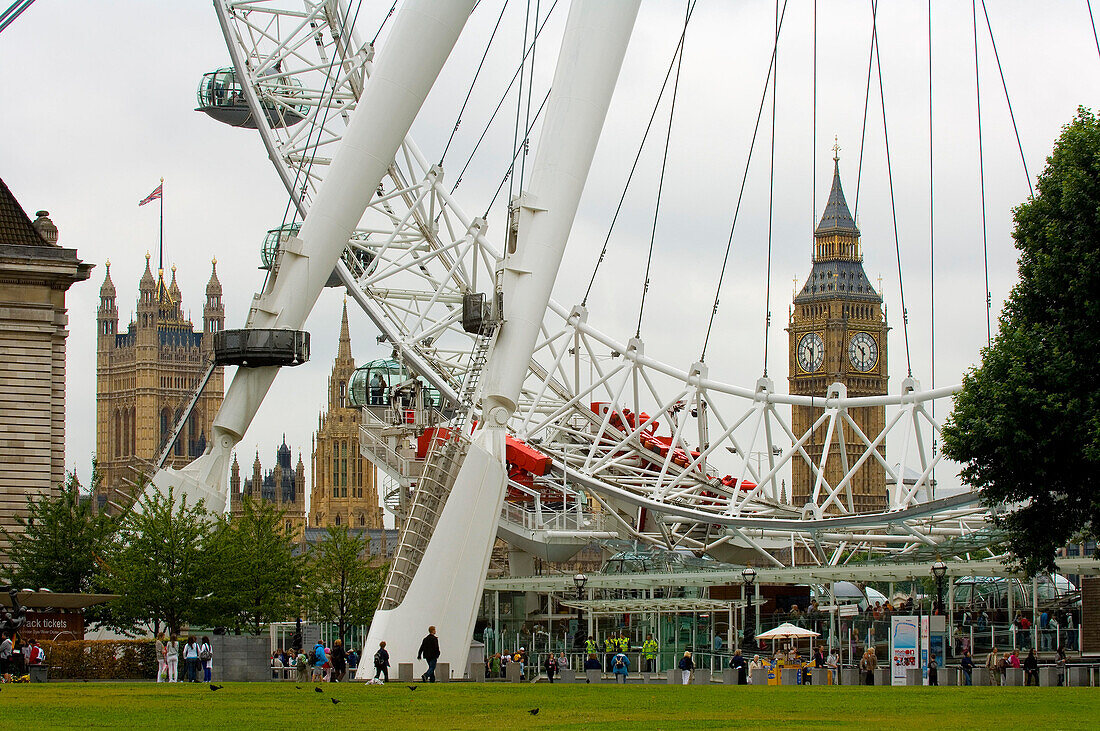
161,256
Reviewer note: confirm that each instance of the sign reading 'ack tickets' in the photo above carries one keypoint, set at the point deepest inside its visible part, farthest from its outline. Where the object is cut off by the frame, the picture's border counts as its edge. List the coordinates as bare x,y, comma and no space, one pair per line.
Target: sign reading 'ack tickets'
53,626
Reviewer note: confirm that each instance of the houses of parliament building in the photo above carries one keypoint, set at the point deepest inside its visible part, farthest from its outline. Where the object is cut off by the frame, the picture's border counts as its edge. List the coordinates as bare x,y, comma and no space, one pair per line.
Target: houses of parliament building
146,375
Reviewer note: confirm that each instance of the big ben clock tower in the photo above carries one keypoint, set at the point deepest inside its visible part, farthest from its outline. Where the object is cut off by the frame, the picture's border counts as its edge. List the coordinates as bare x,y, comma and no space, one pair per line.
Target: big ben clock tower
838,335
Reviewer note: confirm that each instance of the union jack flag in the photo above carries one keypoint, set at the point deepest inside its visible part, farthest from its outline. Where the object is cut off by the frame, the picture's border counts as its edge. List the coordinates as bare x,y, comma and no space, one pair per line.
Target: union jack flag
156,194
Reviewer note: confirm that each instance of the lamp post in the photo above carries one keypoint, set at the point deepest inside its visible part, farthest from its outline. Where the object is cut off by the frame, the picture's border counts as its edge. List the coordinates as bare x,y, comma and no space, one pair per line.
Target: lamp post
748,643
579,580
939,571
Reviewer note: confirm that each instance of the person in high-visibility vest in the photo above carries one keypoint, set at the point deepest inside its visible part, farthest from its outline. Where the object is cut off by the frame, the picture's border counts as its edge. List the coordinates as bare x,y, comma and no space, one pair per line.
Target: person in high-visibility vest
610,647
624,643
590,646
649,653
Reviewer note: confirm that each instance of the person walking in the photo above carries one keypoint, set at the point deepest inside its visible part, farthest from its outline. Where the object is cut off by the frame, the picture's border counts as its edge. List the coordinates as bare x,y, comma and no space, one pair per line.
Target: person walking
649,654
172,659
339,661
993,666
206,657
737,662
620,667
191,660
301,667
1031,668
551,666
868,664
162,662
687,667
1060,663
382,663
967,665
933,671
755,664
321,664
429,652
7,646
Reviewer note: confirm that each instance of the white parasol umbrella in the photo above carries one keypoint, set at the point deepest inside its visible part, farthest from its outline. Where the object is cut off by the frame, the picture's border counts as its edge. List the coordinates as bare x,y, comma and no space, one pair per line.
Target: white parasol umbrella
787,631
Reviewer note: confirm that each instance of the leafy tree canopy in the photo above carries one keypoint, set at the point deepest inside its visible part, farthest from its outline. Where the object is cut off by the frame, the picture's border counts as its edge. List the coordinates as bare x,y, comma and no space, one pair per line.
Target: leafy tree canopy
60,541
1026,425
343,587
258,576
159,564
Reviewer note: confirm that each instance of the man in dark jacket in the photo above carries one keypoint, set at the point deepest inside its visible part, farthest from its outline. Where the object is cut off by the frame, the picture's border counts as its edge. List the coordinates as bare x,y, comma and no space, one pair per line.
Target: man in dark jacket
967,665
429,651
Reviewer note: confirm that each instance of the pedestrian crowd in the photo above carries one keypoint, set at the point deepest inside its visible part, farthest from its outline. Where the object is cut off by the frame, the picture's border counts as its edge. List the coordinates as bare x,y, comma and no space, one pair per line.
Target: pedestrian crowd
319,664
197,655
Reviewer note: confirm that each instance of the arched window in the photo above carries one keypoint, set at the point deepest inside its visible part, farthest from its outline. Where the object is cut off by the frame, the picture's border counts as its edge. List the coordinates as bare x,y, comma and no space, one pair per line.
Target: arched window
337,521
118,433
362,520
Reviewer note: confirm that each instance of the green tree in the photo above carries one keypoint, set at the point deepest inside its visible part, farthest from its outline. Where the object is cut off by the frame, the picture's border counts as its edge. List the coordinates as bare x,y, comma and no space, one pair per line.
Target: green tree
1026,425
258,576
159,567
60,541
344,587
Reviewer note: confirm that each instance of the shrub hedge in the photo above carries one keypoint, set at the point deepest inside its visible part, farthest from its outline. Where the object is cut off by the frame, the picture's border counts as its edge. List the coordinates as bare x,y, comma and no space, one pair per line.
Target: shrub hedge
102,659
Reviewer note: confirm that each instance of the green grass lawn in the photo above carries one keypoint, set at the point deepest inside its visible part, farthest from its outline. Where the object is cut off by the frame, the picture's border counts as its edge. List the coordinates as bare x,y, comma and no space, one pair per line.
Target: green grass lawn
500,706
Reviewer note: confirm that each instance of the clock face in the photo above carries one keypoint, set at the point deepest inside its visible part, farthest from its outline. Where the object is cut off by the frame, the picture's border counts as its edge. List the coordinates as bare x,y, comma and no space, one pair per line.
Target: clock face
811,352
863,352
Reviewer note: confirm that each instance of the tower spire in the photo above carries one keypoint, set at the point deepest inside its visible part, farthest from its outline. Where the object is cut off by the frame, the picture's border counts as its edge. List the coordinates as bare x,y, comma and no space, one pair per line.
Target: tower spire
344,351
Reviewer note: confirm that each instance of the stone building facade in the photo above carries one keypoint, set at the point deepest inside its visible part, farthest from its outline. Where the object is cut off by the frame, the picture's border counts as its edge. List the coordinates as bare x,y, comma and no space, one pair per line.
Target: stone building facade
35,273
837,334
145,377
283,485
344,491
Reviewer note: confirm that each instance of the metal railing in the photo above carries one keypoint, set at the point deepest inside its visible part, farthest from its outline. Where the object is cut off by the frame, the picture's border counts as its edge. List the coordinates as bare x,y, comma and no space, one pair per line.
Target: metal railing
544,518
385,455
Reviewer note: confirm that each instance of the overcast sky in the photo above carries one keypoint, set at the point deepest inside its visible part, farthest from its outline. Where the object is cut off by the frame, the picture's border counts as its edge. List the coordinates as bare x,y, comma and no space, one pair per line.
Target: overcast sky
100,99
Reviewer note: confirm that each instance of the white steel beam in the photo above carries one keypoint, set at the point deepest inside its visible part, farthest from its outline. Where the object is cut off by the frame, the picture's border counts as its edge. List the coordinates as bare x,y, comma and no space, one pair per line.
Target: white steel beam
446,589
422,37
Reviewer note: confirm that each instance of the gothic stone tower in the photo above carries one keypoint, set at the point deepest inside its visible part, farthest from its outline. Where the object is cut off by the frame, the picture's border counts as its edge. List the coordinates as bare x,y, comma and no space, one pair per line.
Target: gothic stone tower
284,486
344,491
145,376
838,335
